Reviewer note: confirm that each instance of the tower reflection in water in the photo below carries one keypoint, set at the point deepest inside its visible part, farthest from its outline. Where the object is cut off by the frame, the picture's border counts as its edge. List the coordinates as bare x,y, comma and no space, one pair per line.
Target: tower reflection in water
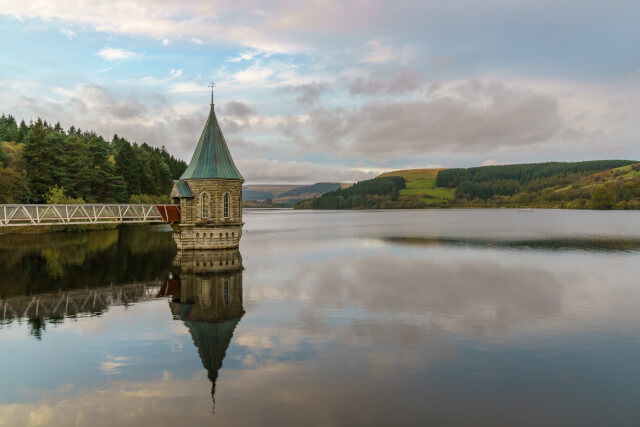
207,297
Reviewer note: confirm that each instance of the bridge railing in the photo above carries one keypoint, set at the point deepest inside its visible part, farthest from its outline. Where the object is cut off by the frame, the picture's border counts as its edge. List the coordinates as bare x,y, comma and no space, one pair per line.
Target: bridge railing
90,213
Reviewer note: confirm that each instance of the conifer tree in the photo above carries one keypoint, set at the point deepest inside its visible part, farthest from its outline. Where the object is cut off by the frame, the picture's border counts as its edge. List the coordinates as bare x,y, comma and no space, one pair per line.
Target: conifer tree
77,167
23,130
105,184
127,165
44,160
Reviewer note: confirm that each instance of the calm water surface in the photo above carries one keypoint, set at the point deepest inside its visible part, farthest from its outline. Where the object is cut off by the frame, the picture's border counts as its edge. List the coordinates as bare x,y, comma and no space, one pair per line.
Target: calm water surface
444,317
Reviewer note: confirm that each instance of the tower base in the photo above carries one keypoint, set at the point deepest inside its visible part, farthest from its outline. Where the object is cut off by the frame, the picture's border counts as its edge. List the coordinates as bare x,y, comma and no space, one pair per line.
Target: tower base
207,237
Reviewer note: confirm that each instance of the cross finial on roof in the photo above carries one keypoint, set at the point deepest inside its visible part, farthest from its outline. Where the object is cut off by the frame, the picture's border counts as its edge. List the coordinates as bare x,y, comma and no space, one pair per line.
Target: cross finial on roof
212,85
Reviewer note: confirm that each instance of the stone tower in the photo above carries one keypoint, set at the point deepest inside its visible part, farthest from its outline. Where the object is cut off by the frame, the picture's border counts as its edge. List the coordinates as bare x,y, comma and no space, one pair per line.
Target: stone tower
210,195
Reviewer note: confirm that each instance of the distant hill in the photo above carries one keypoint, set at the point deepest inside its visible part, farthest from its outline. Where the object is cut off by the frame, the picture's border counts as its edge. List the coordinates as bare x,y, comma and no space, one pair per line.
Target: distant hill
273,190
600,184
315,189
286,195
256,195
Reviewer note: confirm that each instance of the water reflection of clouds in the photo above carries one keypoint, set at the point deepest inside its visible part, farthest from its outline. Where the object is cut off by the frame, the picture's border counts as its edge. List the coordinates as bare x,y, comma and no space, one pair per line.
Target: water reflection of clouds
149,403
113,364
359,330
460,290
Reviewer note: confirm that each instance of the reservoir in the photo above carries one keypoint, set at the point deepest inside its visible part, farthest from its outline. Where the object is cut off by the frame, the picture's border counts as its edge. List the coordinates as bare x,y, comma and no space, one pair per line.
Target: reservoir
431,317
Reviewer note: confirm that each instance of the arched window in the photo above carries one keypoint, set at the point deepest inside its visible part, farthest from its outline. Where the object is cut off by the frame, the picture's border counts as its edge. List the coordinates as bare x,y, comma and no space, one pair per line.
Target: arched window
204,202
226,205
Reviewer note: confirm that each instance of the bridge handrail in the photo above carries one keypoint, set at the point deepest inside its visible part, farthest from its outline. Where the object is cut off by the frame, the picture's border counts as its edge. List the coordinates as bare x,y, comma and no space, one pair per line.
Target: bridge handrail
16,215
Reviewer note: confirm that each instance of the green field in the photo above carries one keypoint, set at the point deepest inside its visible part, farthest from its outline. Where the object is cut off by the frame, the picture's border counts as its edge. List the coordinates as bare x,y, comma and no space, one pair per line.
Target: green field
421,186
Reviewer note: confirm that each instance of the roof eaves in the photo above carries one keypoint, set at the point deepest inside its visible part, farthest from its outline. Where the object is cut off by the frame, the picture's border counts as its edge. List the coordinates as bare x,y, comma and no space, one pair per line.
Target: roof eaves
183,188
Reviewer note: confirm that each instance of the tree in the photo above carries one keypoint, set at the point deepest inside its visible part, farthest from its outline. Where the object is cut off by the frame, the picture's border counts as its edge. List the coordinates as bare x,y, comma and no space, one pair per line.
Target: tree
58,195
127,165
55,195
395,194
8,128
105,184
38,156
3,156
603,198
23,131
77,166
45,161
10,186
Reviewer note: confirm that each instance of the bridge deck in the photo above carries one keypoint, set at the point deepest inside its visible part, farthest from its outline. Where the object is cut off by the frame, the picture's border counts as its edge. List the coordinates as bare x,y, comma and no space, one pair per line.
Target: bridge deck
96,213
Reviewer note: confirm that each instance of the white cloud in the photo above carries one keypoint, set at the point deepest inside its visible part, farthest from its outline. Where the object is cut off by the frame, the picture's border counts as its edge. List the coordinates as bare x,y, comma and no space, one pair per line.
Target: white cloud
175,73
199,20
490,162
68,33
245,56
256,74
113,54
165,42
382,53
468,117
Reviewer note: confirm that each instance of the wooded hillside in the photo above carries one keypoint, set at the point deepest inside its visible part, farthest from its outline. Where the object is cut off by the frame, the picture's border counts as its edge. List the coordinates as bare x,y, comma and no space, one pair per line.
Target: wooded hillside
41,162
600,184
369,194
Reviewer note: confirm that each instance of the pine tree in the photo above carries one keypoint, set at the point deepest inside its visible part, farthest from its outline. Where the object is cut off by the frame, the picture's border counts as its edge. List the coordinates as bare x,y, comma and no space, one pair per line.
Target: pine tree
23,131
106,185
77,167
44,160
127,165
8,128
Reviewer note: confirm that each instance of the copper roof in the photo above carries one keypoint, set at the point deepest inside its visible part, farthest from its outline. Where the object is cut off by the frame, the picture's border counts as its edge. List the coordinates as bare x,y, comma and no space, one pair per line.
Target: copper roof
212,159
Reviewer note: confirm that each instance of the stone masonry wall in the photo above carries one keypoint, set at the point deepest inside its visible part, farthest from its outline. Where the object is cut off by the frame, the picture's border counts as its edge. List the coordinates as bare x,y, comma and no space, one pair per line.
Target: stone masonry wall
216,188
207,237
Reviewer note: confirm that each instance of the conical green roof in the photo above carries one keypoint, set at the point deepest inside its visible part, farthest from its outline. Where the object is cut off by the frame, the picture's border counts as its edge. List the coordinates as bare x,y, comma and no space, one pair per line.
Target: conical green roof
212,158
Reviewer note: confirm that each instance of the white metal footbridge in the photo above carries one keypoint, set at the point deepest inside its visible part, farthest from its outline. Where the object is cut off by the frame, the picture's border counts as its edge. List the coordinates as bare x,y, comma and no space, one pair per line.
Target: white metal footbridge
40,215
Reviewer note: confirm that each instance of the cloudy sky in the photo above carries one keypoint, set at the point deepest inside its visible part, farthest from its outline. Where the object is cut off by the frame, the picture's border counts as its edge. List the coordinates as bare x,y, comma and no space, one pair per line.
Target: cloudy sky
335,90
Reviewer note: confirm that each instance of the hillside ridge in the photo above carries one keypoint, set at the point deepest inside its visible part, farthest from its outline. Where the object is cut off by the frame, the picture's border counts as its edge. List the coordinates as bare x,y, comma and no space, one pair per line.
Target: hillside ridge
598,184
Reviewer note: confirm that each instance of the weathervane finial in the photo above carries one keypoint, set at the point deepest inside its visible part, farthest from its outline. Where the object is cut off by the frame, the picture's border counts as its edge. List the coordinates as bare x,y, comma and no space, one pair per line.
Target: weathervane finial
212,85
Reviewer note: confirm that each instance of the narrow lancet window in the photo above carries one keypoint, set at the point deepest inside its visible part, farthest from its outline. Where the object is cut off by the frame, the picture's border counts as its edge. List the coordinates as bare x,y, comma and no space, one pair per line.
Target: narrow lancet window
226,205
205,205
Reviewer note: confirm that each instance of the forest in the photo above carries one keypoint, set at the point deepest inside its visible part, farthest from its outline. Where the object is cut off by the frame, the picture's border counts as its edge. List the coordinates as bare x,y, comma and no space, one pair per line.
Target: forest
370,194
44,163
484,182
